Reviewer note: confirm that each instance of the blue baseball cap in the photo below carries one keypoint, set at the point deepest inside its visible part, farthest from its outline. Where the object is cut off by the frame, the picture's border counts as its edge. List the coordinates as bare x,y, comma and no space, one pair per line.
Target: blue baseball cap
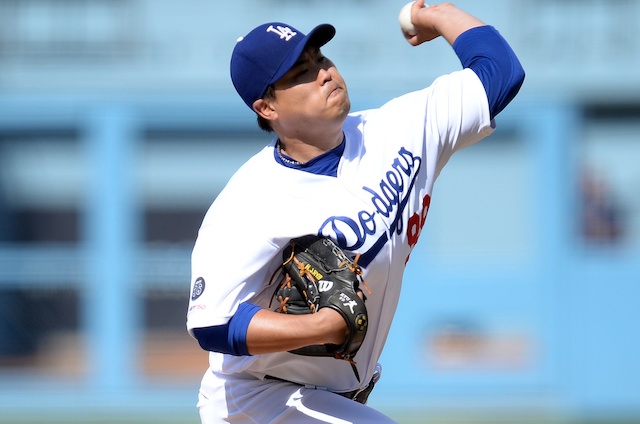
264,55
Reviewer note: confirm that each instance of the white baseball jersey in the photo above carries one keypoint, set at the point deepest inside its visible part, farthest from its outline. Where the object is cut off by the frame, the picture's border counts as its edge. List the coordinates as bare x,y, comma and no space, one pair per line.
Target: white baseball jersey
376,205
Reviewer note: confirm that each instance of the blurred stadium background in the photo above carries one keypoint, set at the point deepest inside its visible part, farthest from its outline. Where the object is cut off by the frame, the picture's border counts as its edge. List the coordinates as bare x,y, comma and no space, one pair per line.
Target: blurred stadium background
119,125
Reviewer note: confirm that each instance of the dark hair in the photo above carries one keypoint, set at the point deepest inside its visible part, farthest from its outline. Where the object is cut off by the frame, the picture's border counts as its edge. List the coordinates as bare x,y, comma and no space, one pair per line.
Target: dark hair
269,94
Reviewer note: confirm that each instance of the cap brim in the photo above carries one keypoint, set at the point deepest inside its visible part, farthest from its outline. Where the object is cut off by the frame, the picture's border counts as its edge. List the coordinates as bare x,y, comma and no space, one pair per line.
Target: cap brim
317,37
321,35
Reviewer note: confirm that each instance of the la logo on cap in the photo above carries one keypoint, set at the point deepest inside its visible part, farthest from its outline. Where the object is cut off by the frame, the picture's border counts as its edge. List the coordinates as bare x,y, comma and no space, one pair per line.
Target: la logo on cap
284,32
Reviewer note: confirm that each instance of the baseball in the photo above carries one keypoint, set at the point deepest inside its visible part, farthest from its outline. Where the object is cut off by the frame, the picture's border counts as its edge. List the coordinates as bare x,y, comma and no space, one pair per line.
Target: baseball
405,19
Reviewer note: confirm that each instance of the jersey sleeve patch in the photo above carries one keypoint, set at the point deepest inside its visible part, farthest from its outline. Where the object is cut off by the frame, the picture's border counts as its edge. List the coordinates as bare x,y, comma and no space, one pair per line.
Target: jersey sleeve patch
198,288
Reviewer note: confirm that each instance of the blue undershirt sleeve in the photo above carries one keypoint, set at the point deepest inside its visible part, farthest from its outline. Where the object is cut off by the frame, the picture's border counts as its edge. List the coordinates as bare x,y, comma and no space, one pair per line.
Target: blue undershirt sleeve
231,337
489,55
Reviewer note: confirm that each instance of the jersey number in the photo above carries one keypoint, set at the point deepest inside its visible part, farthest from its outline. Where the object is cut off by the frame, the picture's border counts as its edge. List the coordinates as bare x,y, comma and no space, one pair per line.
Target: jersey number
417,220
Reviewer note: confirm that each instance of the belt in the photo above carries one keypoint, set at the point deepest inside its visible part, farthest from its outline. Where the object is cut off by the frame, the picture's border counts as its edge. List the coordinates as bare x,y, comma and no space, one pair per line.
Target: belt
359,395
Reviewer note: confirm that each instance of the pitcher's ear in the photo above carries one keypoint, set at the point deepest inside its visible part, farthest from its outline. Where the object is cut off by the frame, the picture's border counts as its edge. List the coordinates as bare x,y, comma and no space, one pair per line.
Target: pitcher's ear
264,109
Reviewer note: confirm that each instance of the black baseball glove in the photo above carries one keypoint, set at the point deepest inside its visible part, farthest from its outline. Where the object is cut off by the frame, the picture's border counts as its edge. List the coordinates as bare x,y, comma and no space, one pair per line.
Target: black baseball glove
319,274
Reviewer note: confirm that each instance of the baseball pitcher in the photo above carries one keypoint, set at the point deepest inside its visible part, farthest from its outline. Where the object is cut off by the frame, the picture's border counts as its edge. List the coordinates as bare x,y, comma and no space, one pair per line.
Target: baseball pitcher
298,264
